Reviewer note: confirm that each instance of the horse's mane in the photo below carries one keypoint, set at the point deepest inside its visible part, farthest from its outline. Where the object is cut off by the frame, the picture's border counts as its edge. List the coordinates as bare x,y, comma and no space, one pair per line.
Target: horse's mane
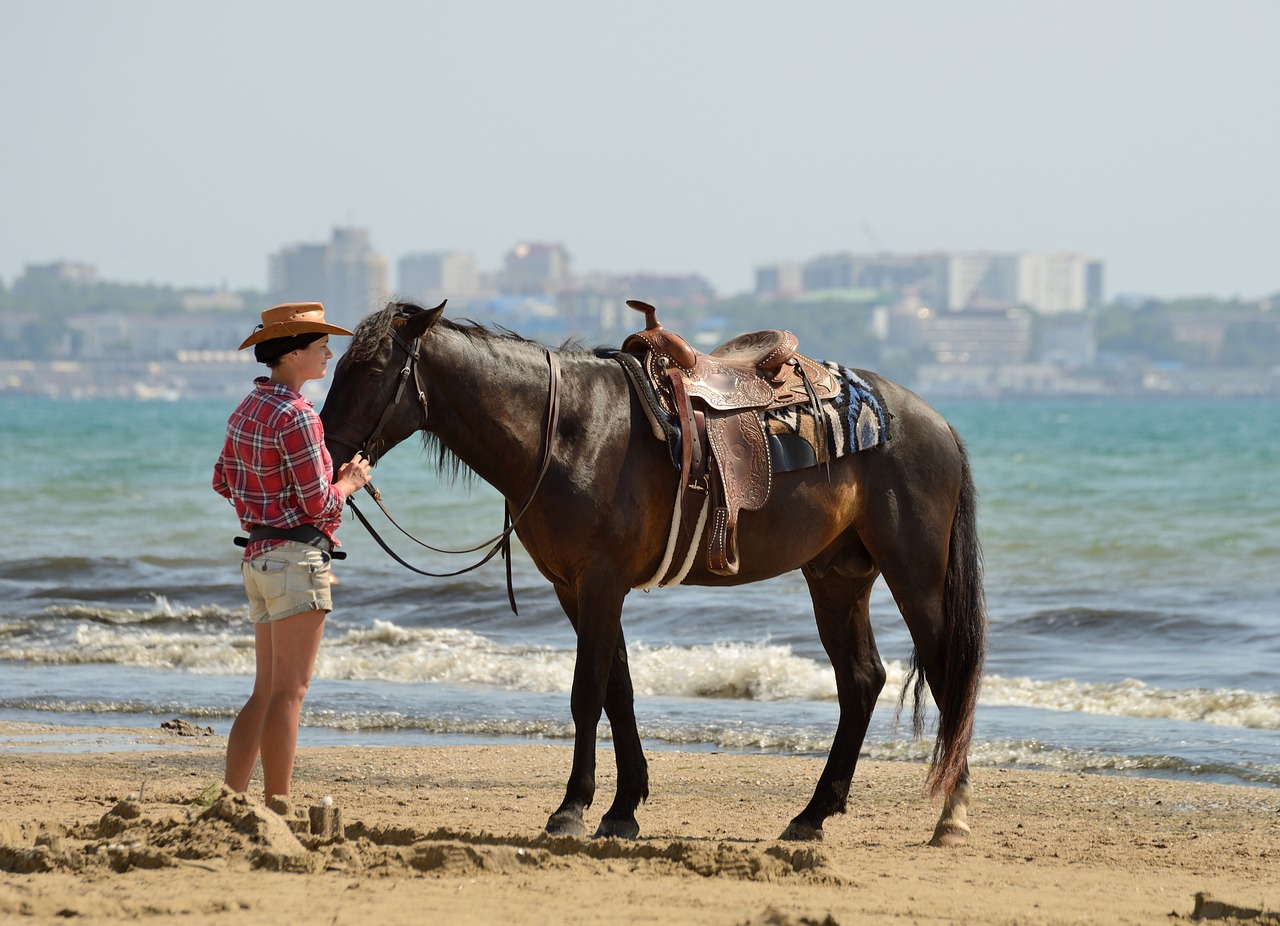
370,332
373,328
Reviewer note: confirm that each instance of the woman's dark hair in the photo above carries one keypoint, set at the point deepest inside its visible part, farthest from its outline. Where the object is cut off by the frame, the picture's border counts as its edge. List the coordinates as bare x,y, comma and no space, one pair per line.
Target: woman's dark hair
270,351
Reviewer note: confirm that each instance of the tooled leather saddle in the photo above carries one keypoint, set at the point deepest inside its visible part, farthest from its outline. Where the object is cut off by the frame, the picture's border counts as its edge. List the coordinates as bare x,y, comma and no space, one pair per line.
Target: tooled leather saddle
717,401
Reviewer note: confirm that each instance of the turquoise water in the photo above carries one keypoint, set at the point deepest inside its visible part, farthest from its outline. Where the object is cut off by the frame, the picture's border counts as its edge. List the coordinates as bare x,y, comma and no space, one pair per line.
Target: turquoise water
1132,551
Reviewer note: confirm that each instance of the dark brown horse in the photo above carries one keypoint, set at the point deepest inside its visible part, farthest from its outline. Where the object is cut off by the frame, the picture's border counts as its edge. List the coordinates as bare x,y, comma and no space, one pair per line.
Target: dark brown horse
599,521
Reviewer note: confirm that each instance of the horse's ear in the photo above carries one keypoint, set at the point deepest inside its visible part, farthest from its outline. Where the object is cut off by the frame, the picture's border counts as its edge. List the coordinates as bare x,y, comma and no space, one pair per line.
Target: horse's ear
419,323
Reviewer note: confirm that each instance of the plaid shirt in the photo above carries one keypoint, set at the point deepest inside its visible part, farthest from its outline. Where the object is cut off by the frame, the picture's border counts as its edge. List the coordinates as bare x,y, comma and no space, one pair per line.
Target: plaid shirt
274,466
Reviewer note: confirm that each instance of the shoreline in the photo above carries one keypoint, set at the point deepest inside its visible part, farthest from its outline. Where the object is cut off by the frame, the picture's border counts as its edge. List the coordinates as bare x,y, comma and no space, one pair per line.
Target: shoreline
455,833
114,734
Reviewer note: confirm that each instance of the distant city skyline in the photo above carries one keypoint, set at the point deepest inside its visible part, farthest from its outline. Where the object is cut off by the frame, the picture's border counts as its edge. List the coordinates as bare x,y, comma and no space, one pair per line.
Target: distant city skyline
183,144
351,277
393,282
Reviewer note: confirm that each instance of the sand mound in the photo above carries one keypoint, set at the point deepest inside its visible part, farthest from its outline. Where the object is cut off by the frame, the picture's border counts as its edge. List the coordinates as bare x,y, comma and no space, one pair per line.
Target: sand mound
237,830
775,917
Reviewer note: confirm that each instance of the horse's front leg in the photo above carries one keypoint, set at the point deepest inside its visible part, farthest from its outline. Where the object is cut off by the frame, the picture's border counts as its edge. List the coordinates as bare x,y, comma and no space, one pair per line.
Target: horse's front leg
633,771
596,616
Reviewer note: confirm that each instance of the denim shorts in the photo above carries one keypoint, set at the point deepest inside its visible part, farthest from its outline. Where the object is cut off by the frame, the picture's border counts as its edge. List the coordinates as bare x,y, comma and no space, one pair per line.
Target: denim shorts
291,579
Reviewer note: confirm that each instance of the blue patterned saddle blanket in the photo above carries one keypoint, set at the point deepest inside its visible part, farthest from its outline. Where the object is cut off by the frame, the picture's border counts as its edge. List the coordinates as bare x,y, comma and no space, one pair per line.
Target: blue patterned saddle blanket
853,420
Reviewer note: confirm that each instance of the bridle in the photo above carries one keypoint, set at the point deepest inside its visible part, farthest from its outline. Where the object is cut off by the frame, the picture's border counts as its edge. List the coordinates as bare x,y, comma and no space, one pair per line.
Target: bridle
408,371
498,543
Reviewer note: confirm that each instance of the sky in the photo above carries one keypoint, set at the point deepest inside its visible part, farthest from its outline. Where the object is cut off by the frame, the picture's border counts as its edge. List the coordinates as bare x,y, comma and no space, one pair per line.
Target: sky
182,143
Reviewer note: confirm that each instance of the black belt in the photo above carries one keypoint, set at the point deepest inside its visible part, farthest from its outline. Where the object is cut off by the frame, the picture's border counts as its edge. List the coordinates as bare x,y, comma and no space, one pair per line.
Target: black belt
303,533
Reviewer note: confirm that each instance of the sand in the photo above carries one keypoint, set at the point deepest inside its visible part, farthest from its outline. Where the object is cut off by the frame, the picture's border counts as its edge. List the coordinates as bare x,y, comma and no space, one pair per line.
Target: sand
105,826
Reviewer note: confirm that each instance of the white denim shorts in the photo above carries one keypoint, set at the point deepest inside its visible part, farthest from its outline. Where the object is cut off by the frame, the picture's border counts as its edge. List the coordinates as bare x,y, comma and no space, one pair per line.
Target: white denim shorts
291,579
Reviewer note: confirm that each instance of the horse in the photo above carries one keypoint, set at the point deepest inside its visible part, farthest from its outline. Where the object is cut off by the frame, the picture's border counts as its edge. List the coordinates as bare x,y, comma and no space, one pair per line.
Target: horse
591,489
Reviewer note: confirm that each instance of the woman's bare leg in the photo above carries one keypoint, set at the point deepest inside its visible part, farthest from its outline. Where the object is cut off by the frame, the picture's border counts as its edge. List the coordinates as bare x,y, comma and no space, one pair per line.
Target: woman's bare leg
246,732
295,642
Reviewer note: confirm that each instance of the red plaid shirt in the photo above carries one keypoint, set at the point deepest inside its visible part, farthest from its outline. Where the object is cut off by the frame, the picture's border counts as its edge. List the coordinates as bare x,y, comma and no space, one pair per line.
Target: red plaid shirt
274,465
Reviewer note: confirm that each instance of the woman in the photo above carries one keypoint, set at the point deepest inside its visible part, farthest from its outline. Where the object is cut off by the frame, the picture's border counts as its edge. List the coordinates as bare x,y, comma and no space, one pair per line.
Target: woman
277,473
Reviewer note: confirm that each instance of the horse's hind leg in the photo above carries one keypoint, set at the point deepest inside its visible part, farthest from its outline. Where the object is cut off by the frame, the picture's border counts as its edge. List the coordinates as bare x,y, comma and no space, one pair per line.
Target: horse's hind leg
953,825
952,828
841,606
923,614
931,560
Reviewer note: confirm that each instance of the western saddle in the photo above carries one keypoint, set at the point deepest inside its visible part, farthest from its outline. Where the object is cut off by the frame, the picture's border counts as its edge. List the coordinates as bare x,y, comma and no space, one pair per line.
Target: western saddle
717,402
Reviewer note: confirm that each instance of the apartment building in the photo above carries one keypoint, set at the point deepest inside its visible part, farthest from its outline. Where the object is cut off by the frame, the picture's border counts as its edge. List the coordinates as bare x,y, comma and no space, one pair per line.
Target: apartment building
535,268
344,273
56,273
1048,283
430,277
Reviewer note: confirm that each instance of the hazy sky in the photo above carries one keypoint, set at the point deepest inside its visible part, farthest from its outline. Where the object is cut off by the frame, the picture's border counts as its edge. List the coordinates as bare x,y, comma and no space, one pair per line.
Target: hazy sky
183,142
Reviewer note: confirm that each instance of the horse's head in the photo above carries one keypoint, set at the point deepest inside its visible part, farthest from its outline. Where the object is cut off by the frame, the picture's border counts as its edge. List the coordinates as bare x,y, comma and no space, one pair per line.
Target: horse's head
378,397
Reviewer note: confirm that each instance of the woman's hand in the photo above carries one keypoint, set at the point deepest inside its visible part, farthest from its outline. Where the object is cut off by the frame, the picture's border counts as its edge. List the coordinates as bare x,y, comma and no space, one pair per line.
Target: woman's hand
353,475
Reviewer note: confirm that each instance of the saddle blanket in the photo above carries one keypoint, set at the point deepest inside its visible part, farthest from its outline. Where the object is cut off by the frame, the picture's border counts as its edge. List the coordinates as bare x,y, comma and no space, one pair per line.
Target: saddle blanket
855,420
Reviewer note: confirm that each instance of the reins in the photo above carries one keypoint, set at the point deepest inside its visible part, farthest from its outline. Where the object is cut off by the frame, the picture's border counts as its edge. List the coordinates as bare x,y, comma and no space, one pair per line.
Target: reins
498,543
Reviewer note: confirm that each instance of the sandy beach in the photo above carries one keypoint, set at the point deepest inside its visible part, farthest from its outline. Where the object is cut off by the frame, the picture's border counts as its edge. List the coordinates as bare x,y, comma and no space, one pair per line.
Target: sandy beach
102,825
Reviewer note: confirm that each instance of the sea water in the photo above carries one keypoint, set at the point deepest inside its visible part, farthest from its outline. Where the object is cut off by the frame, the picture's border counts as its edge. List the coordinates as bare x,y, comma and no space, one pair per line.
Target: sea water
1132,575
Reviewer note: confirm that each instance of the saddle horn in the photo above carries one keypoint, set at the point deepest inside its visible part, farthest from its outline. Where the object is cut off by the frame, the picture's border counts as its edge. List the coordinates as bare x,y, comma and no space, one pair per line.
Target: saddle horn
660,338
650,313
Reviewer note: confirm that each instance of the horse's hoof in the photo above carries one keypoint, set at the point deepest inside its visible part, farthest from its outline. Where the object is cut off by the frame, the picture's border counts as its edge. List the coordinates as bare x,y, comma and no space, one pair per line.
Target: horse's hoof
618,829
950,834
566,824
799,831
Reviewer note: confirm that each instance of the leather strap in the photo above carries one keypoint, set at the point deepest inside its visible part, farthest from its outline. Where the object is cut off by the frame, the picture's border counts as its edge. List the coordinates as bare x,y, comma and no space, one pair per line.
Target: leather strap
303,533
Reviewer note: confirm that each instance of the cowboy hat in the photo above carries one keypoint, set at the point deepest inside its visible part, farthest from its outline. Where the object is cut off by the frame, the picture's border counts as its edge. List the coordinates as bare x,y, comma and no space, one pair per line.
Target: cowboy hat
289,319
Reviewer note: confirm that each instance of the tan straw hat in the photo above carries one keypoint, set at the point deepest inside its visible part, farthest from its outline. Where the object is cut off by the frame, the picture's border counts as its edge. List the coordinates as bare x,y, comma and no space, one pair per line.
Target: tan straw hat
285,321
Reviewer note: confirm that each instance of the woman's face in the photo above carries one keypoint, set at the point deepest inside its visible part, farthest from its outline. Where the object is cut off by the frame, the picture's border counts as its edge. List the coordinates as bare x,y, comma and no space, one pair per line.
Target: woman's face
312,361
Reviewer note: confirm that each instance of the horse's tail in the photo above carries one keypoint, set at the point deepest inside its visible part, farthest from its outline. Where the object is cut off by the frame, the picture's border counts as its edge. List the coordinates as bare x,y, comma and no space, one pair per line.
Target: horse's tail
964,640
